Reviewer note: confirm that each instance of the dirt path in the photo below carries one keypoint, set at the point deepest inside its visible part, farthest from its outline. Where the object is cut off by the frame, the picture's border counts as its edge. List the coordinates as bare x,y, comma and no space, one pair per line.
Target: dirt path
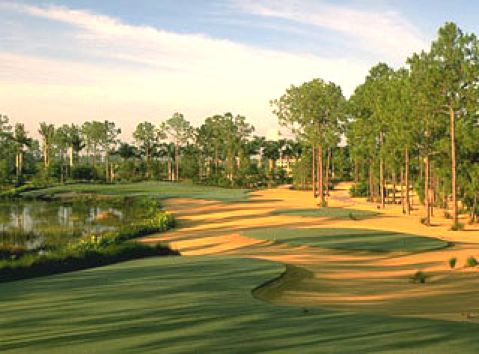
342,280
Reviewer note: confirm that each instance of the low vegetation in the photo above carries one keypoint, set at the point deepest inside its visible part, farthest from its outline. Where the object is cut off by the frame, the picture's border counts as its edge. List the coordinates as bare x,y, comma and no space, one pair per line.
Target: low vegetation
77,258
471,262
92,250
419,277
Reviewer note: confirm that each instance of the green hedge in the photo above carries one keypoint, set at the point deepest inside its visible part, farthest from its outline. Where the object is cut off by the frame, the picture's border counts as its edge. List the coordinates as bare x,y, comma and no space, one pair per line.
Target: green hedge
68,260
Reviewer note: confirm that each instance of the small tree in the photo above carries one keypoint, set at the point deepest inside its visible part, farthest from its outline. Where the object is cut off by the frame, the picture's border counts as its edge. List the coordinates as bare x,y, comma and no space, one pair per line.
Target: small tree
178,129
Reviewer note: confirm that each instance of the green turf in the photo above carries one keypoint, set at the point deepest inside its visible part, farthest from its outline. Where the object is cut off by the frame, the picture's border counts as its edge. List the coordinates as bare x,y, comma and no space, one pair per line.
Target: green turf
161,190
333,213
198,305
348,239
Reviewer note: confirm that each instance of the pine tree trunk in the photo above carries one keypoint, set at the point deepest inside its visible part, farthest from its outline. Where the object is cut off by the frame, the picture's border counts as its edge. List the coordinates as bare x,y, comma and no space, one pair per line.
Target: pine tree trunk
45,155
72,163
177,163
107,168
318,172
473,211
453,167
170,167
313,172
432,188
381,169
371,183
320,175
356,171
328,162
402,191
426,190
217,162
406,182
394,187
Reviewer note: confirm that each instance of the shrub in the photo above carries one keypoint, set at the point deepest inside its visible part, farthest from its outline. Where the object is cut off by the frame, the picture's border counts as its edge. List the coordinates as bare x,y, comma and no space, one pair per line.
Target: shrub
447,215
424,220
471,262
359,190
12,252
419,277
452,262
457,226
67,260
83,173
352,216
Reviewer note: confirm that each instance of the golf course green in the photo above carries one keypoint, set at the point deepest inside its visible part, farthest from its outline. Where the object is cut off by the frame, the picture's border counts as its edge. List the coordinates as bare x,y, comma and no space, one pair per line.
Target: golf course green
348,239
156,189
198,305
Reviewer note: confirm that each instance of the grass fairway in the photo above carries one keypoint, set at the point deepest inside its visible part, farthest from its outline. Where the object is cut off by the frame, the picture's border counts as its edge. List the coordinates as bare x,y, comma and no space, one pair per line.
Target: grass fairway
332,213
349,239
198,305
162,190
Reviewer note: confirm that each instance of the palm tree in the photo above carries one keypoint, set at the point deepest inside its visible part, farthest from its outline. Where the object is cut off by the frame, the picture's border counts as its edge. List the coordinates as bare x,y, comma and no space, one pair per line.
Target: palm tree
20,141
271,151
47,132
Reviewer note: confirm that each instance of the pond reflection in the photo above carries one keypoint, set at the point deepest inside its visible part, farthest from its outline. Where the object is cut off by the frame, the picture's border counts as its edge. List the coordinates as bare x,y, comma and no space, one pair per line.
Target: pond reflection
38,224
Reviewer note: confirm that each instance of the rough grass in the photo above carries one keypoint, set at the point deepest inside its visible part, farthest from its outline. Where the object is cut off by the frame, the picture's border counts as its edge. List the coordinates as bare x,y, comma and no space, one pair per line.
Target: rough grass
162,190
331,213
201,305
349,239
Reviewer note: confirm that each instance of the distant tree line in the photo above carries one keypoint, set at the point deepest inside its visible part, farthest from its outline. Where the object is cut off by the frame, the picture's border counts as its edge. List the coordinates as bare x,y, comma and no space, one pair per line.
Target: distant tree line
221,151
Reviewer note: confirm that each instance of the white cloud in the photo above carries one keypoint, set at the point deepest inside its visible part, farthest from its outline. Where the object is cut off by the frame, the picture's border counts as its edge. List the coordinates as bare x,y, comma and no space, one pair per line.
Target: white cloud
165,72
384,32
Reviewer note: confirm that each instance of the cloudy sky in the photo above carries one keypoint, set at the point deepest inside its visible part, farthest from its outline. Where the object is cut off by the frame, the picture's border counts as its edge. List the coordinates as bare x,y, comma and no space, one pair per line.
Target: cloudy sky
65,61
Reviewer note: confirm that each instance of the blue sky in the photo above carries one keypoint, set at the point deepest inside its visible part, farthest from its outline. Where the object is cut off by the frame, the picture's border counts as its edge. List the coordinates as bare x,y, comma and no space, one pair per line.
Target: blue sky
129,61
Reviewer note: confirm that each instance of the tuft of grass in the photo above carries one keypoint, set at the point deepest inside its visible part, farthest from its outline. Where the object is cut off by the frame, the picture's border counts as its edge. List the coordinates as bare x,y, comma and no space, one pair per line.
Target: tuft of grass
457,227
423,220
419,277
452,262
471,262
447,215
353,217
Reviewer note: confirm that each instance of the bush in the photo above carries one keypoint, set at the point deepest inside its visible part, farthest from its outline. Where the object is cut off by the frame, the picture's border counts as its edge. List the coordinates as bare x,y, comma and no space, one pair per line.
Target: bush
457,227
423,220
419,277
471,262
359,190
68,260
84,173
452,262
447,215
12,252
353,217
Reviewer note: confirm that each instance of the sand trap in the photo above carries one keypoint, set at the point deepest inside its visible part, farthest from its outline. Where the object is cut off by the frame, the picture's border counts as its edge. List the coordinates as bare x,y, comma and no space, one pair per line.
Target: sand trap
341,279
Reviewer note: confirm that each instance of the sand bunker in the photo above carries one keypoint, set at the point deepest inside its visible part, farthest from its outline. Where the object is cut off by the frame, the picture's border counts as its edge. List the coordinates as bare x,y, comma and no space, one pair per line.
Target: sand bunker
349,280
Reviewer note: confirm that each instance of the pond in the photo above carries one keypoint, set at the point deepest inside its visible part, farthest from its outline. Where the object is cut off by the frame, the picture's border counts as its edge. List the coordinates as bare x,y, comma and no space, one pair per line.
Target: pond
43,224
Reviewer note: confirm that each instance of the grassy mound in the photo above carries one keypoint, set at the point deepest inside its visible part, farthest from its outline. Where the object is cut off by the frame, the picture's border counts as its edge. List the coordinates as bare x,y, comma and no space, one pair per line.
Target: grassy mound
162,190
202,305
332,213
349,239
